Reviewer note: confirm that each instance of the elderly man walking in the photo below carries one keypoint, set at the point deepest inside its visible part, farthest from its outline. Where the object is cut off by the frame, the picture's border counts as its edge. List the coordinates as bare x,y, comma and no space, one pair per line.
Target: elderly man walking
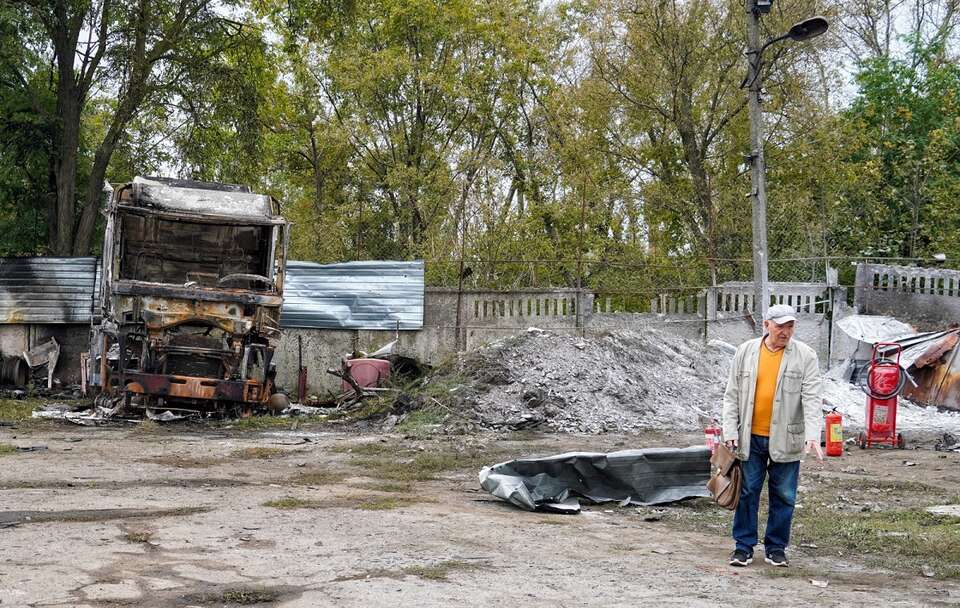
771,417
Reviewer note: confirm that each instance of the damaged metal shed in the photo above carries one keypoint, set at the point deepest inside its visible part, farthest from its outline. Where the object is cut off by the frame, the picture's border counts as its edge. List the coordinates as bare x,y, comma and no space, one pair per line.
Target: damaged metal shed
930,358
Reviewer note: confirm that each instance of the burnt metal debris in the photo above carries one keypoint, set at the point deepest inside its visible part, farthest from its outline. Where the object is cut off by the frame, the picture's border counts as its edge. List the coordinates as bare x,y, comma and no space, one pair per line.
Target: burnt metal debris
190,296
647,476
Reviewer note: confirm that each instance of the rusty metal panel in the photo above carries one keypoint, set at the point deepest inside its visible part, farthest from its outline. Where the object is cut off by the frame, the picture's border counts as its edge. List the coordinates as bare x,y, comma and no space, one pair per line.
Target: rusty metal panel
47,289
353,295
937,374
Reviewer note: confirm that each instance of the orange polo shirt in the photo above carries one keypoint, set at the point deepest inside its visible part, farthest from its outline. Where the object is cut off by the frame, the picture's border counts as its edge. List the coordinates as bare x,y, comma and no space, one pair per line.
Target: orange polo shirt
768,368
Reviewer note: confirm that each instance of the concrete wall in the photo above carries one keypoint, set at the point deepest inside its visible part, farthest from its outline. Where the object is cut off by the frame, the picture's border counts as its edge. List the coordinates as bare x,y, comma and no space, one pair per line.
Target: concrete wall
488,316
927,298
721,313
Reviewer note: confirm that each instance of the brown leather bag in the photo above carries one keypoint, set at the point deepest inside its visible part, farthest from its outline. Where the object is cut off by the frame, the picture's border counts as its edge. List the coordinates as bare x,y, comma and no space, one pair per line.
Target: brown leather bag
725,477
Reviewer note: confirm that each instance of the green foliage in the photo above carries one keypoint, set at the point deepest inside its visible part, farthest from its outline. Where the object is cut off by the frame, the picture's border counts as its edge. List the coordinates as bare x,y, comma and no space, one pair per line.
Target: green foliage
586,142
904,146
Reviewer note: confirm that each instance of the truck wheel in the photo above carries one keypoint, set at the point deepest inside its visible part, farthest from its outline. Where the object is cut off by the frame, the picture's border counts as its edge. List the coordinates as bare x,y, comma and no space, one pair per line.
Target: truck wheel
862,440
900,441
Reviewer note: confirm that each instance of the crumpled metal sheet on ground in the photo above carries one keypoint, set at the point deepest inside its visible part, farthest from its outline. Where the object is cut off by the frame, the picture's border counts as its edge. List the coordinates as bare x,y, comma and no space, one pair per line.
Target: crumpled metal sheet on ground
646,476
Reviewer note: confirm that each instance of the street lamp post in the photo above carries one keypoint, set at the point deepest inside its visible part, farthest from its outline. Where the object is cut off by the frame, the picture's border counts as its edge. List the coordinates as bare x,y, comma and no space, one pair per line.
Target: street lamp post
804,30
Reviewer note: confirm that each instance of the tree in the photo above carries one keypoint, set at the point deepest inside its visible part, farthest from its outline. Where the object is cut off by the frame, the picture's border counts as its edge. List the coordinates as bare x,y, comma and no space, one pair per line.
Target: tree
133,51
906,122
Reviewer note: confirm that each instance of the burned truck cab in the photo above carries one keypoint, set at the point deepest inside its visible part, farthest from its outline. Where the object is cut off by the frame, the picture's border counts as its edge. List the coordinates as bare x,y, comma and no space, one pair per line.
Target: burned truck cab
190,290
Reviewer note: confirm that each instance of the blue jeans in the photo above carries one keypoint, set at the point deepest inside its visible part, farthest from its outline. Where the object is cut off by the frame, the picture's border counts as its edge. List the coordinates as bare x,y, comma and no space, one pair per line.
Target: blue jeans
782,494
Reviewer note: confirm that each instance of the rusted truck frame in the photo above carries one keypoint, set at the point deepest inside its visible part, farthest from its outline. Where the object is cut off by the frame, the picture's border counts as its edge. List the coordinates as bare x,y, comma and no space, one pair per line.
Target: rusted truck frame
190,291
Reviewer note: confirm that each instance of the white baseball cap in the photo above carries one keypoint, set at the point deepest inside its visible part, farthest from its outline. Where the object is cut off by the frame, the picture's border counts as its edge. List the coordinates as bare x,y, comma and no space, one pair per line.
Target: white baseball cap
781,313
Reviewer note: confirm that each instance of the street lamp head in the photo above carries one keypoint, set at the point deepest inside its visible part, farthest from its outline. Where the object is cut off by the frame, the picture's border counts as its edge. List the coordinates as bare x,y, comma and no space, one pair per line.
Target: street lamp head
808,28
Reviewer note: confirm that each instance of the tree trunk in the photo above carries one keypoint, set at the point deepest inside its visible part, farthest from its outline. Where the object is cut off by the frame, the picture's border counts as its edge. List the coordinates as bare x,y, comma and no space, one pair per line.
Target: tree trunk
68,109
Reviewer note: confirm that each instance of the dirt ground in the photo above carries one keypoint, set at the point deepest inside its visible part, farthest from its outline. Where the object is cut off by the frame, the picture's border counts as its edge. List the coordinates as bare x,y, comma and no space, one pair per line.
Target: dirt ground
309,516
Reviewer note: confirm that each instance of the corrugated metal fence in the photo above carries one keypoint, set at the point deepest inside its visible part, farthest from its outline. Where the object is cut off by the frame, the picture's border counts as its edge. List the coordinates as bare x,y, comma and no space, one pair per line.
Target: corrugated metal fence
352,295
47,290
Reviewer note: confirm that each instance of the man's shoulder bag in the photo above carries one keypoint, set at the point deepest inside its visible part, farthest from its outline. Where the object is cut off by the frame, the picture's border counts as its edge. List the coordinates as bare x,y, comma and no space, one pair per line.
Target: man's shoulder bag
725,477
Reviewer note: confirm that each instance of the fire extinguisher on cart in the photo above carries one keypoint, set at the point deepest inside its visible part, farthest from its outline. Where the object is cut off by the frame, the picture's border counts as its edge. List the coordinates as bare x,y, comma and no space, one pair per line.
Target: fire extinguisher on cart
834,433
885,381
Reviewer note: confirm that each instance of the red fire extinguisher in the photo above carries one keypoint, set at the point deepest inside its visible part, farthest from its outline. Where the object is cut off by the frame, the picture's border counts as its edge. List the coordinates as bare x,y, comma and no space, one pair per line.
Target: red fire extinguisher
711,435
834,433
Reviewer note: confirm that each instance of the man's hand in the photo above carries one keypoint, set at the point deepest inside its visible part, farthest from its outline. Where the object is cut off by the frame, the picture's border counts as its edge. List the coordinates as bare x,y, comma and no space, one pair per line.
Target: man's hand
815,446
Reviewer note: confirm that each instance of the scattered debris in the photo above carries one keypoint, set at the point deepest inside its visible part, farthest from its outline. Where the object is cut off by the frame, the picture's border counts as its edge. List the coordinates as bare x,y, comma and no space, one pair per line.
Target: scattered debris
165,416
44,355
32,448
639,477
947,443
928,571
951,510
819,583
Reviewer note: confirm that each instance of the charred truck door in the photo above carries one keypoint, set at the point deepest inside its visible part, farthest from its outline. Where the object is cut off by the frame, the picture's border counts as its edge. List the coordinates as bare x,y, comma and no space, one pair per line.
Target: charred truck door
190,292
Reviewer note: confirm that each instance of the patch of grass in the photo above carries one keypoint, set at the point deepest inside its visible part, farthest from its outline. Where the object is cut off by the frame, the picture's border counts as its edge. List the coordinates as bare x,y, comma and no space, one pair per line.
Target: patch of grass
183,462
387,503
367,574
432,572
256,423
901,540
248,596
387,486
871,486
146,426
7,449
258,453
375,406
405,465
291,502
418,422
20,410
88,515
320,477
440,571
372,448
138,536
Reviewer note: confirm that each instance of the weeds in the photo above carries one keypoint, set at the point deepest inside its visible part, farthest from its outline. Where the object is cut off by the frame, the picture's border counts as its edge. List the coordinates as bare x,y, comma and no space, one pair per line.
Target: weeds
419,422
387,503
319,478
258,453
138,536
393,463
440,571
291,502
7,449
387,487
895,539
249,596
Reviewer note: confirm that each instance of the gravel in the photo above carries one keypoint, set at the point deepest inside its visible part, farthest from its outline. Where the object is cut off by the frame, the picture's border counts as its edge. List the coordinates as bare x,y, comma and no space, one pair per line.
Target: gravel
620,382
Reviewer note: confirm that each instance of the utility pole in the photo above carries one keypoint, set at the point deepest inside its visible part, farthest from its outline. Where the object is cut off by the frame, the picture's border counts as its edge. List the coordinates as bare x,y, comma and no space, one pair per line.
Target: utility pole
805,30
758,180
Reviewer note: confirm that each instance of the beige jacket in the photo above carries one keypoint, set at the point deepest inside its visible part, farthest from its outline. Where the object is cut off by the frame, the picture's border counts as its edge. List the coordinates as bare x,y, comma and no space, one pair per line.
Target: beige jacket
797,413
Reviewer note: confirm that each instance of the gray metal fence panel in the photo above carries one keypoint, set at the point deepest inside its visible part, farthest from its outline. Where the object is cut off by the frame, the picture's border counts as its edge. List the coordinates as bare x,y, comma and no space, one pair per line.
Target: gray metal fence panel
353,295
47,289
